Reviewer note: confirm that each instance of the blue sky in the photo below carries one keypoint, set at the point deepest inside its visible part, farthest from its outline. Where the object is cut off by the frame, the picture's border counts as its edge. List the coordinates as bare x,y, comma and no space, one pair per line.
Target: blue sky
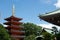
29,10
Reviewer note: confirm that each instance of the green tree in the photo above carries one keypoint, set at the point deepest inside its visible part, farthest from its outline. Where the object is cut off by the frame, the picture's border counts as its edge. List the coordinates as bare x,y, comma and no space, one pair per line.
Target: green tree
3,33
58,36
30,37
46,35
31,31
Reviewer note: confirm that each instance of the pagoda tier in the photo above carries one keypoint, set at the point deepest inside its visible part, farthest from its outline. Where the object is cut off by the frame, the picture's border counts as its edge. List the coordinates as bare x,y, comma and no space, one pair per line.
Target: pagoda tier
13,18
13,22
18,37
17,32
14,28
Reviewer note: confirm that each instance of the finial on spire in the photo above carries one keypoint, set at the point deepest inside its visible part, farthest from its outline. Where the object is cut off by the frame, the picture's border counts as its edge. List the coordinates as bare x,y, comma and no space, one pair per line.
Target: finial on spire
13,10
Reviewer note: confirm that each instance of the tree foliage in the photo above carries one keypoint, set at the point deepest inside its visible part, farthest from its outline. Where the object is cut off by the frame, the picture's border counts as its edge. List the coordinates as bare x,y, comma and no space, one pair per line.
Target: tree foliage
31,29
47,36
30,37
3,33
58,36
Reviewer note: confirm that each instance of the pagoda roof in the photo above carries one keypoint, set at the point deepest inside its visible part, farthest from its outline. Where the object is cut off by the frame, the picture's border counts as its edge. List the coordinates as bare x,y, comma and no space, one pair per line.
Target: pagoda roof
15,27
13,18
52,17
13,22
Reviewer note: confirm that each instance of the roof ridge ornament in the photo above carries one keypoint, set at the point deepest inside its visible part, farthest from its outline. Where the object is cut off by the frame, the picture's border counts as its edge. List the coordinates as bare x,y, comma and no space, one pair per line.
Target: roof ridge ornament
13,10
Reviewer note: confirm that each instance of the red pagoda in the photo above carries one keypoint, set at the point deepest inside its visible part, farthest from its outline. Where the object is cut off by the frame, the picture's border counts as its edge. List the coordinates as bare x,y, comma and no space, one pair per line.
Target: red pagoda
14,28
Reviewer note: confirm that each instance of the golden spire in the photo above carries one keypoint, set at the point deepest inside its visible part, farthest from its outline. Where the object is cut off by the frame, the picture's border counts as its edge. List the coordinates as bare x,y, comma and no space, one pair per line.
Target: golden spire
13,10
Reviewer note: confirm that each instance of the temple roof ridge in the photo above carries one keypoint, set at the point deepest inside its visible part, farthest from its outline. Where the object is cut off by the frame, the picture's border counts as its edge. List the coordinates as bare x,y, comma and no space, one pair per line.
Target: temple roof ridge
51,13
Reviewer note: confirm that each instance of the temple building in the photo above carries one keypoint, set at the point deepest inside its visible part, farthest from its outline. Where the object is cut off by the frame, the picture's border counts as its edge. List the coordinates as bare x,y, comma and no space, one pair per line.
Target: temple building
52,17
14,27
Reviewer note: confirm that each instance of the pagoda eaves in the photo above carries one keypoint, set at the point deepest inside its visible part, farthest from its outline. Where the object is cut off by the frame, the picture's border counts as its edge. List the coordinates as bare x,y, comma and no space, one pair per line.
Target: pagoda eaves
13,22
13,18
15,27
